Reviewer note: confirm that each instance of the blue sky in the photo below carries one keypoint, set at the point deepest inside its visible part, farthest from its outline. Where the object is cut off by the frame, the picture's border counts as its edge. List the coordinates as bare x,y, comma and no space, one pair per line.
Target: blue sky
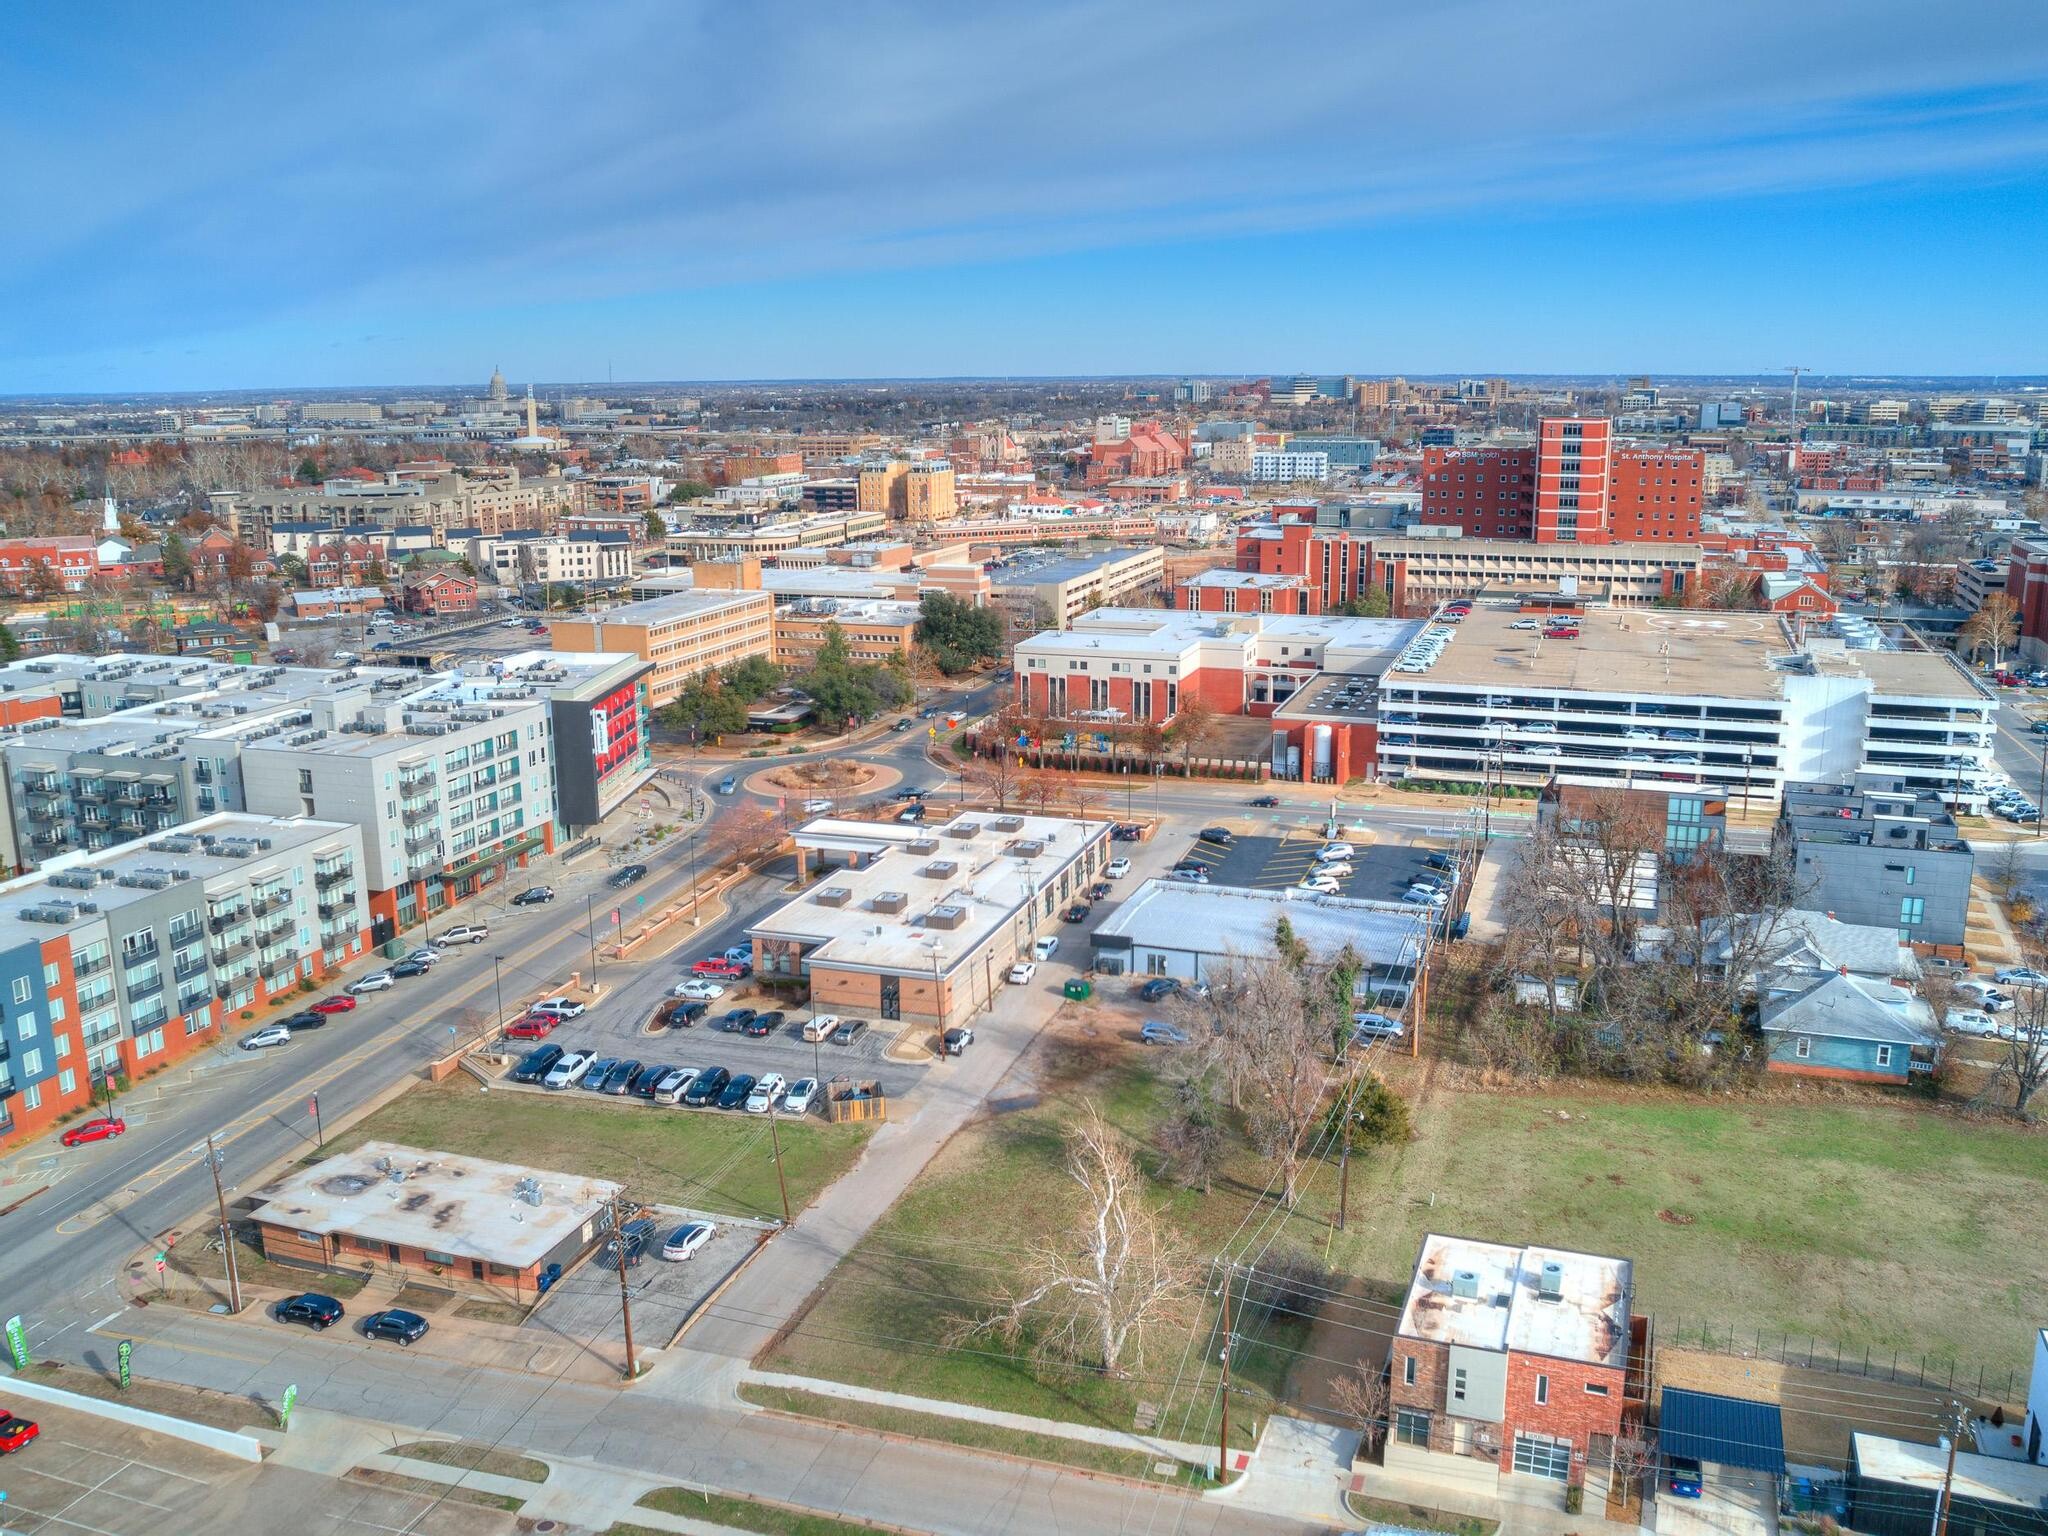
263,196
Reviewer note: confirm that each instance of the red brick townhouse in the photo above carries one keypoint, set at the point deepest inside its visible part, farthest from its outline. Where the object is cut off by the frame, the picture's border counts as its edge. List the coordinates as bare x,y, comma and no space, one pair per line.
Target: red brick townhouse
62,565
1513,1362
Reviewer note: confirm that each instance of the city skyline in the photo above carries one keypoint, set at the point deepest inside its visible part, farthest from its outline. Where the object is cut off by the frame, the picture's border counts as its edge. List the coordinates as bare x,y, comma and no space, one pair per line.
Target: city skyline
649,192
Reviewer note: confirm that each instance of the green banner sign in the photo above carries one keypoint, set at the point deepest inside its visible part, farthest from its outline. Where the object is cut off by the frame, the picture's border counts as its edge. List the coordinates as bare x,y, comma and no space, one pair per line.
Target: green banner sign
284,1412
127,1349
17,1343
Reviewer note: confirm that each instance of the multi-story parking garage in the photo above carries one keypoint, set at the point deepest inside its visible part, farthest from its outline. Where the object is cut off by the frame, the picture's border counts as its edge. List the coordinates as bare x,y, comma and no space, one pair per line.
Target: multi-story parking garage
1699,699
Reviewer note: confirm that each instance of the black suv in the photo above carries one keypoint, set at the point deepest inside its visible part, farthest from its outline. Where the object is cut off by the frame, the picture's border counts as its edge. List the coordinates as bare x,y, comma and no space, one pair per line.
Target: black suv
537,1064
405,1327
631,874
648,1076
707,1086
312,1309
736,1019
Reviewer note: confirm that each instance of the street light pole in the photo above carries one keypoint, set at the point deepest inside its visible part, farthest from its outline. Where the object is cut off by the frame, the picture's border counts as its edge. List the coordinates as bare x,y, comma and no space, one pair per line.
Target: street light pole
590,927
775,1141
498,986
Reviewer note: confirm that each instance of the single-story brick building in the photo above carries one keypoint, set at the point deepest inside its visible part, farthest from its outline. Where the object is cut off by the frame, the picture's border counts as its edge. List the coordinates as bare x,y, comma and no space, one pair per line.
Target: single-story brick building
461,1218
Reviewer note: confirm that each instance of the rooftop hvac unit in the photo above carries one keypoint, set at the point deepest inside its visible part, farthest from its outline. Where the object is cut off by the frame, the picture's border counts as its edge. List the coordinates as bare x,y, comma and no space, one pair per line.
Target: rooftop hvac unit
832,896
894,903
529,1191
922,845
1465,1284
1007,824
948,916
1027,848
940,869
76,879
964,829
1550,1281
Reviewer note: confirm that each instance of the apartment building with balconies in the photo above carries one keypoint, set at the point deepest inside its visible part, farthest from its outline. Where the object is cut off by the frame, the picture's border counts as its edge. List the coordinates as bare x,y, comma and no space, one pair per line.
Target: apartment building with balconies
450,794
120,961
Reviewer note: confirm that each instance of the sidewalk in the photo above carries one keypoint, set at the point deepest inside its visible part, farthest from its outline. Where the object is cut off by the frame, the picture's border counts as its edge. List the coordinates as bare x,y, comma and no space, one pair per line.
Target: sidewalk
1093,1434
1299,1468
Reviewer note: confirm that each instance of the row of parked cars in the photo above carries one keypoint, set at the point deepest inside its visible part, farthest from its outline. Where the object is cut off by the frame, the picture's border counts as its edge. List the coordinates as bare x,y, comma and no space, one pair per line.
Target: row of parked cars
553,1066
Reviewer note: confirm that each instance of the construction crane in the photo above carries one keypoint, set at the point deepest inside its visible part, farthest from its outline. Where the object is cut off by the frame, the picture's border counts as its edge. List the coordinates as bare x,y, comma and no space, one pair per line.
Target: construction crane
1795,369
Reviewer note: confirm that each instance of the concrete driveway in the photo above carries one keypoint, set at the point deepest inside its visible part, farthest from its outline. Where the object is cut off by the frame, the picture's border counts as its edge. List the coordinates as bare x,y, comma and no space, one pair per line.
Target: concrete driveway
1732,1502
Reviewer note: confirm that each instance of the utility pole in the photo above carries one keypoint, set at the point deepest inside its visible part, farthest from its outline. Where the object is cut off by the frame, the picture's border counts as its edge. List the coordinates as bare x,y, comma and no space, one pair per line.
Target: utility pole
1223,1436
227,1238
1344,1175
590,927
775,1141
625,1299
1955,1432
498,985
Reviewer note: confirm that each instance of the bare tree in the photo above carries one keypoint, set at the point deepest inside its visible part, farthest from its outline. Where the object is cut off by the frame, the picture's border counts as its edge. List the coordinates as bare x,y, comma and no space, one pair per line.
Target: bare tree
999,775
1544,909
1634,1453
1191,1140
1362,1395
1090,1292
2022,1061
1995,627
1272,1042
1194,724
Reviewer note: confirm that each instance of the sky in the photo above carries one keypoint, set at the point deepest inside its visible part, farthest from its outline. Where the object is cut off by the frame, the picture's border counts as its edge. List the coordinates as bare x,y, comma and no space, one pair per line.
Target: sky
240,196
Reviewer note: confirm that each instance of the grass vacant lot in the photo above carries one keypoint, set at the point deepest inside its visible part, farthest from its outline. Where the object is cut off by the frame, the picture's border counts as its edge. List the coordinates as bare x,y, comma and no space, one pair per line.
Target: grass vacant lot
701,1158
1853,1220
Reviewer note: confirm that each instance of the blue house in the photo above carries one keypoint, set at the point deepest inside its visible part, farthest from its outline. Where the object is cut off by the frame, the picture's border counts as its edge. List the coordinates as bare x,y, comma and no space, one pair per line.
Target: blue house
1847,1027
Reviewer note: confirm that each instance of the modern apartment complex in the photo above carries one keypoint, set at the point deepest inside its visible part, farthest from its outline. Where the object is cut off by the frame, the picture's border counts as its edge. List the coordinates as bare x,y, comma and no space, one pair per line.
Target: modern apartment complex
684,635
449,792
534,559
1043,590
120,961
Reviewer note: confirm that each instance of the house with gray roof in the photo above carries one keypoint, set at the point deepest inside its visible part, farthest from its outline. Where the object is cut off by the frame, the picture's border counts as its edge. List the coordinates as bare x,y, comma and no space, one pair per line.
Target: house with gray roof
1850,1028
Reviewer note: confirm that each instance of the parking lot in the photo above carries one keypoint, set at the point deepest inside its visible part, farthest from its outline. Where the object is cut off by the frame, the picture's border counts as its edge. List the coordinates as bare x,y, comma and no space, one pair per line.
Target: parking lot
618,1033
582,1308
1380,871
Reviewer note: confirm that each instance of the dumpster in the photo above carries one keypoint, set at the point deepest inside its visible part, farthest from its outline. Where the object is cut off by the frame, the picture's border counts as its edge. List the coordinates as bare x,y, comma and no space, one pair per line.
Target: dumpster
1078,989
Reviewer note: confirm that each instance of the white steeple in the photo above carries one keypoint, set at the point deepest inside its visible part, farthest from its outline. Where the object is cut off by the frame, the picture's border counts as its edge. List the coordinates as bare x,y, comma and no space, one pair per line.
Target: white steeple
532,422
110,514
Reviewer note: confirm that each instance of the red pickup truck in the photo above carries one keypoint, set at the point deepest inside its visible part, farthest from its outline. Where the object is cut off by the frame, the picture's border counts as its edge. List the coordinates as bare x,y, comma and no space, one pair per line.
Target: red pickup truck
718,968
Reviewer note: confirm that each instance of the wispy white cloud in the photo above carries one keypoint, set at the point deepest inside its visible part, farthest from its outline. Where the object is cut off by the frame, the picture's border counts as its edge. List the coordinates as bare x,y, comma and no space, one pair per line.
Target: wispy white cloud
471,156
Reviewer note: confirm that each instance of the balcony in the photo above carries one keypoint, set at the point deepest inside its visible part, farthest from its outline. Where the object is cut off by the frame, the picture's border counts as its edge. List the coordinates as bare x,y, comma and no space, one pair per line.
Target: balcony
411,781
225,920
334,906
240,944
136,954
141,989
270,901
413,815
326,878
190,968
92,792
80,969
270,933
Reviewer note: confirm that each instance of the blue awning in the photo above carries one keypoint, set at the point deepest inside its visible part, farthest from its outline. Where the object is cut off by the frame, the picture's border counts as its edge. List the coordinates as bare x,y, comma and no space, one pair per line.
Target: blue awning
1734,1431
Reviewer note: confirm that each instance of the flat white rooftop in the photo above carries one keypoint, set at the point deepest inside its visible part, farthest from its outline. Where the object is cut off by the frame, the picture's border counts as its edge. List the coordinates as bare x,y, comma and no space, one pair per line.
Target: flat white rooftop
1991,1478
437,1201
940,896
1238,920
1588,1321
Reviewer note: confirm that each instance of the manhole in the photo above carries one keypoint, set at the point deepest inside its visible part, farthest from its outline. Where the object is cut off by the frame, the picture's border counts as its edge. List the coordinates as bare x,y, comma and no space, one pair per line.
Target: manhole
545,1525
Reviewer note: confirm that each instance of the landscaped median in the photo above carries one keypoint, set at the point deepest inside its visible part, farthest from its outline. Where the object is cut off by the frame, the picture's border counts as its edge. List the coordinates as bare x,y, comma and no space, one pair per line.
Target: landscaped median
741,1514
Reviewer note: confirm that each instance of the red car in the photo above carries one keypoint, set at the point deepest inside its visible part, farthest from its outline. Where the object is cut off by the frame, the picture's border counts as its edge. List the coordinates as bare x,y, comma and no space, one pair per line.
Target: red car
535,1026
341,1002
93,1130
2006,679
720,968
15,1433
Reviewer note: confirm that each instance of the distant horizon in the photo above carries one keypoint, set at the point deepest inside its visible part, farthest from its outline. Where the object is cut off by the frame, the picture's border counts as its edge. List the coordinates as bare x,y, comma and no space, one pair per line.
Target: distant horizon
545,390
906,190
